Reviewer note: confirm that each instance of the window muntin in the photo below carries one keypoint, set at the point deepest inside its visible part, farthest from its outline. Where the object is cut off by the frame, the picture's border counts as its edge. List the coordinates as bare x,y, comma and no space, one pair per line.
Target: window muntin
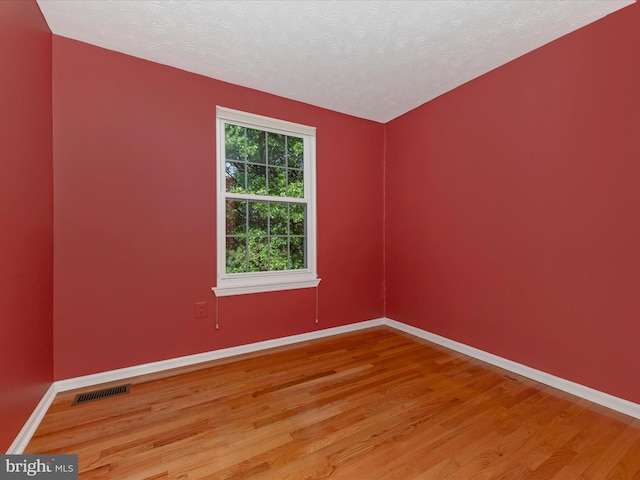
266,204
264,236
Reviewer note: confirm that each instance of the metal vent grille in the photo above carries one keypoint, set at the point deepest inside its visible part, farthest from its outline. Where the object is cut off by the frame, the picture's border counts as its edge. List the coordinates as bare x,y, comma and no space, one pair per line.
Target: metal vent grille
100,394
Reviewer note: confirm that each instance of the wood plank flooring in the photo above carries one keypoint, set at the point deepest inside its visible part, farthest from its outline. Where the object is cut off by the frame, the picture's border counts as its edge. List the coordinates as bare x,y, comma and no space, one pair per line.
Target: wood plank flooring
375,404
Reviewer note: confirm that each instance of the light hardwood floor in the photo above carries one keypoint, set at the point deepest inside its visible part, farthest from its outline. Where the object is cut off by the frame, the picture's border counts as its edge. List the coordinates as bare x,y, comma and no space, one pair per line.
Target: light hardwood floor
375,404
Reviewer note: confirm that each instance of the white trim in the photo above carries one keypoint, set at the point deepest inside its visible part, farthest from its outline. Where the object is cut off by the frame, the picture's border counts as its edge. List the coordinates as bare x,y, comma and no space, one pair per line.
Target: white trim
615,403
265,198
257,282
261,288
268,123
31,425
154,367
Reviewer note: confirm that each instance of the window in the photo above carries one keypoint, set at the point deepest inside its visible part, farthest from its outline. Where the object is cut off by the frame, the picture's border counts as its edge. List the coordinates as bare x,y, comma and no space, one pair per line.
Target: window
266,228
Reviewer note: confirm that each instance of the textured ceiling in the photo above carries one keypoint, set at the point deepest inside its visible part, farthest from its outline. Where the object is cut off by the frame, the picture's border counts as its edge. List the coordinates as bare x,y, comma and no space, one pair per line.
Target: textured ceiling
371,59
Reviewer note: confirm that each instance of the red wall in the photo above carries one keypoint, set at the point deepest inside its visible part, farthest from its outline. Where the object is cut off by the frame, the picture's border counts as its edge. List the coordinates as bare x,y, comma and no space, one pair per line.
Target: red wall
134,164
520,238
512,209
26,238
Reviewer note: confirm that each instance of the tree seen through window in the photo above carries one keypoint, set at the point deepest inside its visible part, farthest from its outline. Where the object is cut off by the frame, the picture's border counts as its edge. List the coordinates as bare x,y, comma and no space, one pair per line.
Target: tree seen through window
265,224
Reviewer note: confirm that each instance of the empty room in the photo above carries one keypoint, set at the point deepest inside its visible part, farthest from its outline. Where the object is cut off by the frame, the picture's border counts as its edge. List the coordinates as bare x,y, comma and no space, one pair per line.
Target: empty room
320,239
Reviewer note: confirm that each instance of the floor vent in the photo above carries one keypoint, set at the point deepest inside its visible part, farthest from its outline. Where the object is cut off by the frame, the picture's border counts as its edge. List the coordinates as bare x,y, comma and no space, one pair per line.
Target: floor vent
100,394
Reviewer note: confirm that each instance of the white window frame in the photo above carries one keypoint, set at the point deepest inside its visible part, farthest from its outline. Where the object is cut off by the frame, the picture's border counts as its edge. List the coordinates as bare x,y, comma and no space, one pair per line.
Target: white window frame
256,282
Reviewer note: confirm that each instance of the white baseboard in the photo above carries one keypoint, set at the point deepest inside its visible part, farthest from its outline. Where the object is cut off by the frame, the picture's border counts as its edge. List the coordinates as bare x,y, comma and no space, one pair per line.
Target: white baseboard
23,438
154,367
624,406
615,403
30,427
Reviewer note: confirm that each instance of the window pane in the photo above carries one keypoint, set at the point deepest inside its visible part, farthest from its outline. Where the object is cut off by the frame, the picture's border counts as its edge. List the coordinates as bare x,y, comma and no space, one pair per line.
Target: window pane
236,255
277,149
258,218
234,142
298,258
235,176
279,219
256,179
258,254
264,173
236,217
277,182
278,253
295,183
295,150
297,219
256,146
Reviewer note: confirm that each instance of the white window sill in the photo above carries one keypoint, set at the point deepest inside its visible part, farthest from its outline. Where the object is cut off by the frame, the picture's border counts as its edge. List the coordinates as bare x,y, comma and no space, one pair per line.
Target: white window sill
246,288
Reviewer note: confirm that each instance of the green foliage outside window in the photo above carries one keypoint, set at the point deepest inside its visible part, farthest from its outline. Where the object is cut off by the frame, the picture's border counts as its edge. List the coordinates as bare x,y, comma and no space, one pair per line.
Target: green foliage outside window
264,235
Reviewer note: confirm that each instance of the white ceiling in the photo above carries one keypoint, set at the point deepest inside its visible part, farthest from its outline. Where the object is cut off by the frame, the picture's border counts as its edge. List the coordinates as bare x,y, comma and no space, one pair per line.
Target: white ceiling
372,59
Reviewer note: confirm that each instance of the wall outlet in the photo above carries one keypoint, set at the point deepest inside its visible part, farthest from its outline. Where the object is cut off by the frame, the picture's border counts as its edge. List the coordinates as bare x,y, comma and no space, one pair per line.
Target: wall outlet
201,309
